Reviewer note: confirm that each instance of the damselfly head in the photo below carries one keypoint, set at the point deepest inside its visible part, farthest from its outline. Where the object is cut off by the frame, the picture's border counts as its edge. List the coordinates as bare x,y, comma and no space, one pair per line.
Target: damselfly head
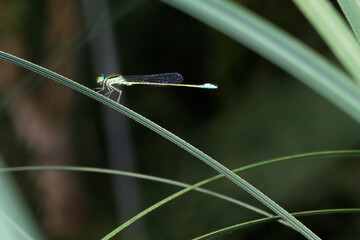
100,79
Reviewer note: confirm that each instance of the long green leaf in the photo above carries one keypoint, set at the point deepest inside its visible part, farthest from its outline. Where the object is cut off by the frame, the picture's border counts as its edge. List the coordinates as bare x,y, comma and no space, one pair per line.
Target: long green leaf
279,47
336,33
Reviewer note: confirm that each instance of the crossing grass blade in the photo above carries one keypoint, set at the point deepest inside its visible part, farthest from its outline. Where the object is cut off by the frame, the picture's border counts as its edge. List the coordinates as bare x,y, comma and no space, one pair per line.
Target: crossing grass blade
228,230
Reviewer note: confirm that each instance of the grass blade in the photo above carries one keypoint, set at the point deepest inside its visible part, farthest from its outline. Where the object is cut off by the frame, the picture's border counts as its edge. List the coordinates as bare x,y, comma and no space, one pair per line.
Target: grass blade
136,175
334,30
196,187
317,155
16,221
233,228
278,47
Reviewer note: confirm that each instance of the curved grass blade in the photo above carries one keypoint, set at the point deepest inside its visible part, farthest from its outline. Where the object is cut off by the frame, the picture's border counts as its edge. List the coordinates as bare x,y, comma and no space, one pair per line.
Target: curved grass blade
220,168
279,47
236,227
139,176
171,137
71,45
317,155
335,32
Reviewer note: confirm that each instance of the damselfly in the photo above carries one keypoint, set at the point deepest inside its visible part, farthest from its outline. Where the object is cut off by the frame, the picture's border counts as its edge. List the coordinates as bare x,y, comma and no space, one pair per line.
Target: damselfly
165,79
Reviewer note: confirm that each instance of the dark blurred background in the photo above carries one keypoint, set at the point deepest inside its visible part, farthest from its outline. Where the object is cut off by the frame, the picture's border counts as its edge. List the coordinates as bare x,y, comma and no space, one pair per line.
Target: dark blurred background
259,112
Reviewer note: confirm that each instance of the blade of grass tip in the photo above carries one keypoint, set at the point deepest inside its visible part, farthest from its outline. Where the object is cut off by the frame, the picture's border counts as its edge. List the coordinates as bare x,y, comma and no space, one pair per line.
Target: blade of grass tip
233,228
351,9
49,74
71,45
278,47
335,32
171,137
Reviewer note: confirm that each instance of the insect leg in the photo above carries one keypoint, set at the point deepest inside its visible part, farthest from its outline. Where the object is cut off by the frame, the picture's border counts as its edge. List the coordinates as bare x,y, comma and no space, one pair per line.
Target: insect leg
119,91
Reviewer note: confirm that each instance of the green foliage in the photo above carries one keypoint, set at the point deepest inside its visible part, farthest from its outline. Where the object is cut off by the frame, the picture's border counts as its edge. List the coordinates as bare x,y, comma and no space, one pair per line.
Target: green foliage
290,54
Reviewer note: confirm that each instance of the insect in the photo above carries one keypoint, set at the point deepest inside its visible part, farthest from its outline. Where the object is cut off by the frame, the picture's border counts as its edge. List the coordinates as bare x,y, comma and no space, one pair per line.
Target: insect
164,79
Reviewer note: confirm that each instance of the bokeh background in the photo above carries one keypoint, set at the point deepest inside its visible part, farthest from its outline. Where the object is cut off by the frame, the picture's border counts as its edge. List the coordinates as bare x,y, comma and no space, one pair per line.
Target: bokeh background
259,112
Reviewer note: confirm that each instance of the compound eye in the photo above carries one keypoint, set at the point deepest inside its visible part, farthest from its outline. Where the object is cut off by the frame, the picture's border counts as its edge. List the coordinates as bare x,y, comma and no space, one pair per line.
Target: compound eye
100,78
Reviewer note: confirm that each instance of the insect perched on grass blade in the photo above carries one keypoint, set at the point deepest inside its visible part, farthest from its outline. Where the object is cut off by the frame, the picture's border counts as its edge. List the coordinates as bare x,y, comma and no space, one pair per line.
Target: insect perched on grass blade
164,79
